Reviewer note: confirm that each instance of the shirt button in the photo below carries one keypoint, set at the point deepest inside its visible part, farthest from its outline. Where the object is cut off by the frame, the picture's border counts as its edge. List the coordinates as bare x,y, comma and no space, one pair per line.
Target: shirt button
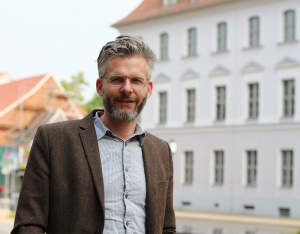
127,223
126,196
126,169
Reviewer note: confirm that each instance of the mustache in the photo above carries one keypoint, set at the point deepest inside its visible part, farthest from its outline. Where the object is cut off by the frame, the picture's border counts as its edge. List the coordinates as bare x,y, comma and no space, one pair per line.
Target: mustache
125,97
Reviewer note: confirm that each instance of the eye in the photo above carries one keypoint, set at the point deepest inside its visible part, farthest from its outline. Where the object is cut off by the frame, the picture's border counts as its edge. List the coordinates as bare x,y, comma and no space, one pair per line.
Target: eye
137,80
116,79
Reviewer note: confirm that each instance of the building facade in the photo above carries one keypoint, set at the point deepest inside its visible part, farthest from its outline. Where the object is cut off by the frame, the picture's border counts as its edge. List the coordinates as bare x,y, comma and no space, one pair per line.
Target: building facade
227,94
26,104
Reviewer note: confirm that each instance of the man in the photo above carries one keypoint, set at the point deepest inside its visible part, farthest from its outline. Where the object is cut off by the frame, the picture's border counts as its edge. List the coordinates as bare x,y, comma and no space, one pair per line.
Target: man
104,173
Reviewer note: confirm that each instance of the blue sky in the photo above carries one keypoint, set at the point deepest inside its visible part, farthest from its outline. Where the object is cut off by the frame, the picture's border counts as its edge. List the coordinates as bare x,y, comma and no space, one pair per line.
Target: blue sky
58,36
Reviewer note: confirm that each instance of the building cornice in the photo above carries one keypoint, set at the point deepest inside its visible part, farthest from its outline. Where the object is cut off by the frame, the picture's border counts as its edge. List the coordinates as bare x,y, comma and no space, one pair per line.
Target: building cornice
294,126
140,14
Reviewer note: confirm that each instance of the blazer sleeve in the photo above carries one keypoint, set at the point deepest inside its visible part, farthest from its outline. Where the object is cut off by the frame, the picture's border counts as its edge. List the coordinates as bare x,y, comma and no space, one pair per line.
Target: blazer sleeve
170,222
32,210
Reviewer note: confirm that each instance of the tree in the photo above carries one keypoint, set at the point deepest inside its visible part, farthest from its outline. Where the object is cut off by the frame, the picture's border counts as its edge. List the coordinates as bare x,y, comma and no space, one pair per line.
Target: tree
75,87
94,103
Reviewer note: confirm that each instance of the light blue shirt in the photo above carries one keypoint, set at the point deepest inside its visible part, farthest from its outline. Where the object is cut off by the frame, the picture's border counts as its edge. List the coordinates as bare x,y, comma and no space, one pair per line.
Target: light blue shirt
124,180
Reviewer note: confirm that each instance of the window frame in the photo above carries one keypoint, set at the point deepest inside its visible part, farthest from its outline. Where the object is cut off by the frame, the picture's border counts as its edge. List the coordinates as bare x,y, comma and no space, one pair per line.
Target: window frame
169,3
253,100
163,107
222,37
164,46
289,26
188,167
288,97
287,169
192,42
190,105
254,31
220,103
219,162
251,168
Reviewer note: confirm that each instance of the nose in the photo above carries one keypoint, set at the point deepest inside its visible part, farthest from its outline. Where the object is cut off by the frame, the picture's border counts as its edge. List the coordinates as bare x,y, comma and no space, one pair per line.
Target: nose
127,85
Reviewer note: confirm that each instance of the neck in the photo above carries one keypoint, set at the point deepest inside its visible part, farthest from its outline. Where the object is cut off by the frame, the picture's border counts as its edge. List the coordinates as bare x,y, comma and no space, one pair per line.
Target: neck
121,128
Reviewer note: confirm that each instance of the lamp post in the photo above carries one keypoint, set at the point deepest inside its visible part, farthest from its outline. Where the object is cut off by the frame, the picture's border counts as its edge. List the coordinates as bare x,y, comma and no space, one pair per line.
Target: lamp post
173,146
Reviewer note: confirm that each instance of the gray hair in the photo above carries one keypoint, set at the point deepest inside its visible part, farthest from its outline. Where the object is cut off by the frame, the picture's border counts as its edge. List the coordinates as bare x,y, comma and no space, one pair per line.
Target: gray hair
125,46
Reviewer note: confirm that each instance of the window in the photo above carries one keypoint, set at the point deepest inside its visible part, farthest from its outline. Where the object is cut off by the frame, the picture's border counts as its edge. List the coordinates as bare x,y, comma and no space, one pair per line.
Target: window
168,3
221,103
254,31
288,98
219,167
251,168
192,41
162,107
217,231
289,25
249,207
222,37
253,104
191,104
164,40
284,212
187,229
189,161
287,168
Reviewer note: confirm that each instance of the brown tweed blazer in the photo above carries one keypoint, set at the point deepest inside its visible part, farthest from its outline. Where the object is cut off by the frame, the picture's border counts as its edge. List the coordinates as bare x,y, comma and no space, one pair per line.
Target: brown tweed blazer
63,191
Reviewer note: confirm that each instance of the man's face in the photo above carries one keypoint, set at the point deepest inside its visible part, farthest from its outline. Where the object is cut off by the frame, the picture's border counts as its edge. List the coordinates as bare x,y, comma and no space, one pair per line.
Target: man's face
124,102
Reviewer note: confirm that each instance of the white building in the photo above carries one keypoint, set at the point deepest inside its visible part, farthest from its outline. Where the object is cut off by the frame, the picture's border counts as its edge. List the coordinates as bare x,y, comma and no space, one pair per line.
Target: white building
227,92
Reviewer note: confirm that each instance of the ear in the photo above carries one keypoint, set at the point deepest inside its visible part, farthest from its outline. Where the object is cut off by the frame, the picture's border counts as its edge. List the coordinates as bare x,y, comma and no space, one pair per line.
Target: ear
99,86
150,88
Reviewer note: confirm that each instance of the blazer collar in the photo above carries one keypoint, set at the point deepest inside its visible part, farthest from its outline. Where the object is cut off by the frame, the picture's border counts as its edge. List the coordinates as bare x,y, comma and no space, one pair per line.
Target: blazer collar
90,145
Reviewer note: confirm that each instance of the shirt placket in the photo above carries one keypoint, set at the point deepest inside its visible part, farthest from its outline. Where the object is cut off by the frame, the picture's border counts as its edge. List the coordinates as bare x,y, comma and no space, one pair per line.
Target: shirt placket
127,182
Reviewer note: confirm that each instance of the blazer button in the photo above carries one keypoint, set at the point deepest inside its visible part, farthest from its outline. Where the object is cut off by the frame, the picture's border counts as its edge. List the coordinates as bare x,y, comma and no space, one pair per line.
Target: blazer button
97,232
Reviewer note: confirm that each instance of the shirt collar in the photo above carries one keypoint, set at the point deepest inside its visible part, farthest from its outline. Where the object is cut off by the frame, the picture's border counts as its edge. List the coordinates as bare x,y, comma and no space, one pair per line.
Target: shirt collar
102,130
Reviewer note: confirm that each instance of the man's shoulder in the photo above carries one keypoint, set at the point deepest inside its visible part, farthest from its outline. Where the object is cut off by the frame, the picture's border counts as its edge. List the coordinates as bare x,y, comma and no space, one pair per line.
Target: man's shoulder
152,138
62,124
73,124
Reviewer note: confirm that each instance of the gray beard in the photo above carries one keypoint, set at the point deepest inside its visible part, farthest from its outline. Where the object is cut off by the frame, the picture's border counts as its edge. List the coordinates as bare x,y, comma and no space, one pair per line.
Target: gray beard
115,113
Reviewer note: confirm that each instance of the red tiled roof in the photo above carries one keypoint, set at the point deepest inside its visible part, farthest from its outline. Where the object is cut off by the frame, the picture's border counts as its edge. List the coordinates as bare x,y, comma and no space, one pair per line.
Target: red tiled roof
150,9
12,91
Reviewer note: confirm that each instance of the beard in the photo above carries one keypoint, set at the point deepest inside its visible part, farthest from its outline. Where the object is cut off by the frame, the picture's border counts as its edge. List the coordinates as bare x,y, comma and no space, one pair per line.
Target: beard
113,111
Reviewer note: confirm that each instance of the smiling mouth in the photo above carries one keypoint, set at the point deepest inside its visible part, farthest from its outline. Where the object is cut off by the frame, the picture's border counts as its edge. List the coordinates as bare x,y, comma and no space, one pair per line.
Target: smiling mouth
126,101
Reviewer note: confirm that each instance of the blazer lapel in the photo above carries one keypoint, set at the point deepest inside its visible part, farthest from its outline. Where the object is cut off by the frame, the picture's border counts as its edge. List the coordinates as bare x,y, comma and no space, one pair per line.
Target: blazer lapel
90,145
151,184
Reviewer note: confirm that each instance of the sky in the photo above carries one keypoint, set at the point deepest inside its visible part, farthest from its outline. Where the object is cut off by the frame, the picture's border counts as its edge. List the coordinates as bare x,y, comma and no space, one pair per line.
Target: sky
63,37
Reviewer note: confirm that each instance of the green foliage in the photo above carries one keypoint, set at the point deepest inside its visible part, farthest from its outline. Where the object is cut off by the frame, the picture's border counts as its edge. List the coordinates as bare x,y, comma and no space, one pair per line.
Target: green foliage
94,103
11,215
75,87
298,232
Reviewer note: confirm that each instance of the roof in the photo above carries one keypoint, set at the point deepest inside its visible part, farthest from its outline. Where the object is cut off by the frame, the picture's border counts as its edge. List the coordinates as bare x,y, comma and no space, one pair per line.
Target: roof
15,90
150,9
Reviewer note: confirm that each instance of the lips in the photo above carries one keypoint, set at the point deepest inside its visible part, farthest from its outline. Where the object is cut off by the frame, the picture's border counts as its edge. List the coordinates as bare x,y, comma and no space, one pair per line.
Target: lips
126,101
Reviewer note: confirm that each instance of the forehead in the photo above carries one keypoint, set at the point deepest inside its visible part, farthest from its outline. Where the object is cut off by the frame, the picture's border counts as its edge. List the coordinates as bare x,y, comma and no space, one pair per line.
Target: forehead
133,65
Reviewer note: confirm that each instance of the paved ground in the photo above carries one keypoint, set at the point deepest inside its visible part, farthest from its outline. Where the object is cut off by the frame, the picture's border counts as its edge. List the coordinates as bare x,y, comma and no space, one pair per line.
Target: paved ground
6,222
240,219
